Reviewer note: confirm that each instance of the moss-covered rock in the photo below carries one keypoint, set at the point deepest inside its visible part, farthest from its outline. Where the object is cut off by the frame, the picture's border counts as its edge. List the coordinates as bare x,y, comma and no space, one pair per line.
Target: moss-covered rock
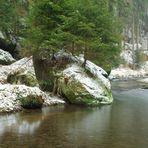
82,87
47,66
77,94
15,97
31,102
25,77
87,85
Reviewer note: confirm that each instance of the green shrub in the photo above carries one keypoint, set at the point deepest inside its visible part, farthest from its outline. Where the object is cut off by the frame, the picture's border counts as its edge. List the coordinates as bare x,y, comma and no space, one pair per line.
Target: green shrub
31,102
139,58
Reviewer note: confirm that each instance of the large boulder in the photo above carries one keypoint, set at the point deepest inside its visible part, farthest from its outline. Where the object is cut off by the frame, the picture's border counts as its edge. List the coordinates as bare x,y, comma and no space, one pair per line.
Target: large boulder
68,77
17,97
6,58
85,86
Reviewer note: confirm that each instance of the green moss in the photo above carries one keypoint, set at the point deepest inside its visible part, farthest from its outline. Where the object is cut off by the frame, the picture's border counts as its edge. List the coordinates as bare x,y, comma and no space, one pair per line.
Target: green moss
46,85
26,79
31,102
6,62
89,73
76,94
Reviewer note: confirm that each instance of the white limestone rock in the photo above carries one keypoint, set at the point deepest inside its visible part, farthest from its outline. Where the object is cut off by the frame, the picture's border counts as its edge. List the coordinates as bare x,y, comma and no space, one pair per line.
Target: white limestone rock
83,87
126,73
21,67
127,56
6,58
10,96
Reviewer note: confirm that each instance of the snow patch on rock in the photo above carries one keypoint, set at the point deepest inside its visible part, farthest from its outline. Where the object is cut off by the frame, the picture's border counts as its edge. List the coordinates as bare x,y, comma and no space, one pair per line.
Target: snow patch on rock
94,88
24,65
89,65
97,71
10,96
6,58
126,73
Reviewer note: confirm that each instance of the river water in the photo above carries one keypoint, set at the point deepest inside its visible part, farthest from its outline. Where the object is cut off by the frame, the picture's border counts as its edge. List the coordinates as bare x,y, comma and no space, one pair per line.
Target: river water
124,124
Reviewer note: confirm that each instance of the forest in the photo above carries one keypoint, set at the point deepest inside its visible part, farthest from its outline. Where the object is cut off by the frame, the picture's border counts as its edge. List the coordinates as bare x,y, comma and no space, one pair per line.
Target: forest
73,73
96,28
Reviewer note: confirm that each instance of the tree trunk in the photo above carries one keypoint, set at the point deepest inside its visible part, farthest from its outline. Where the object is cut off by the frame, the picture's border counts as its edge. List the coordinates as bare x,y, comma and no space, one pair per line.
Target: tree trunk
44,73
133,39
73,48
85,56
137,36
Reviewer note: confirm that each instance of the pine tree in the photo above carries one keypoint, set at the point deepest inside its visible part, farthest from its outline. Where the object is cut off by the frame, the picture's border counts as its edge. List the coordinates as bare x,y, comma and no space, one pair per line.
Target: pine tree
78,26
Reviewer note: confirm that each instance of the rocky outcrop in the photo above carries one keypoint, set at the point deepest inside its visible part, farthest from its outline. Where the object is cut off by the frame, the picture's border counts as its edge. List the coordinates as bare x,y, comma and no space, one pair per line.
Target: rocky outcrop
81,85
127,73
11,97
6,58
18,81
15,72
134,63
127,56
85,86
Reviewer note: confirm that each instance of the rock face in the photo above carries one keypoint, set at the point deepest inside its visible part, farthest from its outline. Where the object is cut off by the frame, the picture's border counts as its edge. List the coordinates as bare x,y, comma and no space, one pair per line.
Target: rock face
85,86
6,58
127,56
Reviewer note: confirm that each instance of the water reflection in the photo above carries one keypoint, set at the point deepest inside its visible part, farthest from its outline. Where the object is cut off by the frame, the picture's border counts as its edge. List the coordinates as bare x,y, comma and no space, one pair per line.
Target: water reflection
15,123
121,125
54,127
127,84
26,122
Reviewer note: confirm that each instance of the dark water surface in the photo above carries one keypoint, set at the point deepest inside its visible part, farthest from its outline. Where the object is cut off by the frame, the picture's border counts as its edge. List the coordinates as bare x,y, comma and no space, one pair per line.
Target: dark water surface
124,124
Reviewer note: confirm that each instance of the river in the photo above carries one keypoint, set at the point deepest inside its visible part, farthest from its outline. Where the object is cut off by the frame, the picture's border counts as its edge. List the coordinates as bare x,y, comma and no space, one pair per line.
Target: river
124,124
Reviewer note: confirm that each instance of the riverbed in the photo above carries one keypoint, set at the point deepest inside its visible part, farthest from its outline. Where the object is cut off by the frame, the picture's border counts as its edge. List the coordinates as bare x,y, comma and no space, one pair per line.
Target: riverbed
124,124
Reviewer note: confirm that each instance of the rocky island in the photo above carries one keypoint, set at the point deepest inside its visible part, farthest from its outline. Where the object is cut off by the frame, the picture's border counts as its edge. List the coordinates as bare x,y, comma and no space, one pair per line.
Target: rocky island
19,87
